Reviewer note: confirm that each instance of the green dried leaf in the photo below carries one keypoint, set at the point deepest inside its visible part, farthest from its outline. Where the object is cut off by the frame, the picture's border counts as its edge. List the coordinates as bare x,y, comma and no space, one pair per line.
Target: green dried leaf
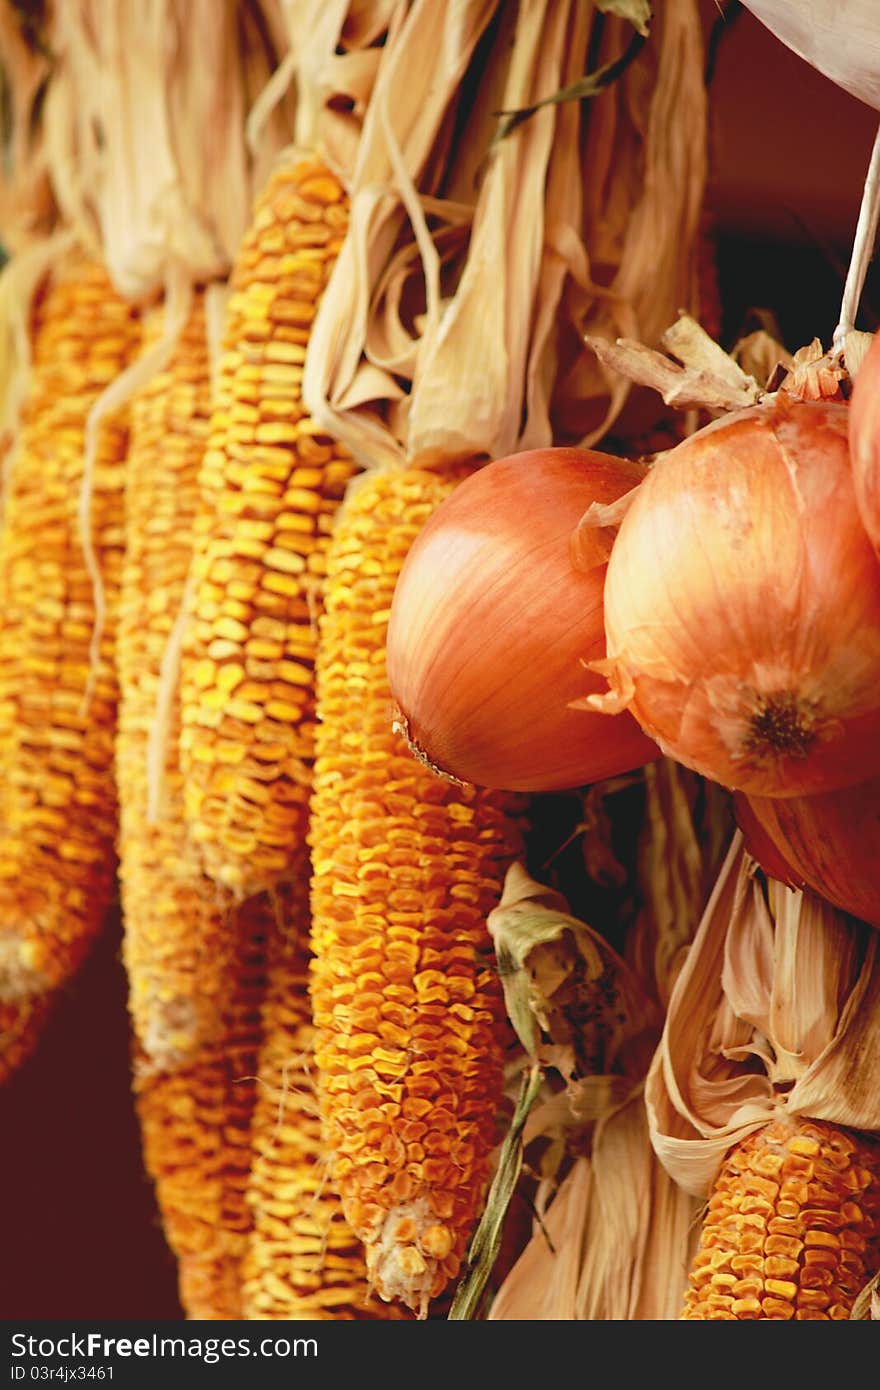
574,1003
588,86
486,1241
638,12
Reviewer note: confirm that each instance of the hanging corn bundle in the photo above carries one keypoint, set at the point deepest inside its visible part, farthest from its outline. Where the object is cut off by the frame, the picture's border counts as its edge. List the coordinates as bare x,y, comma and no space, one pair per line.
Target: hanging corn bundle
267,487
271,482
178,933
759,1098
479,361
58,688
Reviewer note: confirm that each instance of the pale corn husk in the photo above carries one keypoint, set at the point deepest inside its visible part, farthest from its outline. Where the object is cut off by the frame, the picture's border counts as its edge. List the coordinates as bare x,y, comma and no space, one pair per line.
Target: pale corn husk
618,1237
840,38
774,1011
145,122
614,1236
334,50
682,845
501,272
27,209
643,172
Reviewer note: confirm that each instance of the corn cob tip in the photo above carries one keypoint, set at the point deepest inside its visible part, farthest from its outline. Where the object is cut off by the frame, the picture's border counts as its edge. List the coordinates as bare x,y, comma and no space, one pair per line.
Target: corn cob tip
20,976
405,1260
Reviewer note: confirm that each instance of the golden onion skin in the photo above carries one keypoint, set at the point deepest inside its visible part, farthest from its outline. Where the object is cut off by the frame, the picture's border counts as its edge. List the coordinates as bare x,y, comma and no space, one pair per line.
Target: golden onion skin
492,628
742,605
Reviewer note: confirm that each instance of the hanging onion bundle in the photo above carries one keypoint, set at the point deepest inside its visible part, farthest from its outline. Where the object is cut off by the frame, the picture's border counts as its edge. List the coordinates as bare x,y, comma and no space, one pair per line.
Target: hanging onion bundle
742,605
830,842
492,624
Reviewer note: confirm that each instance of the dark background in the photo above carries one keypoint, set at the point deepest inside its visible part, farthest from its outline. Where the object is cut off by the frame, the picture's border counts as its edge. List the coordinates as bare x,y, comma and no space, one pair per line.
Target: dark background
80,1233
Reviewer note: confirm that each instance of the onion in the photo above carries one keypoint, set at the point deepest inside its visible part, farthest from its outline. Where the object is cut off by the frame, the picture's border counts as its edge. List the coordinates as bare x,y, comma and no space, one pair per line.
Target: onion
760,844
742,605
830,841
864,441
492,624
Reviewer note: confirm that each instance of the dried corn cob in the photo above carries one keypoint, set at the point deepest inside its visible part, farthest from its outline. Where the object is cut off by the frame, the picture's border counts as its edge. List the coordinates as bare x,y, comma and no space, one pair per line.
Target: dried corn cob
303,1260
57,839
793,1226
177,937
406,866
196,1121
270,485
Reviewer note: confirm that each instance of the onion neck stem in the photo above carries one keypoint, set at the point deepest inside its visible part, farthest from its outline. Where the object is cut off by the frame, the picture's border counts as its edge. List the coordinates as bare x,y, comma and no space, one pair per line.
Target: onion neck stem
863,247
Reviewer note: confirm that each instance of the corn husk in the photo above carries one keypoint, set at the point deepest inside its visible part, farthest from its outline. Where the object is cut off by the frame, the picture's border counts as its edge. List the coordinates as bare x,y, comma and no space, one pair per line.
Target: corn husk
463,291
186,74
27,209
613,1234
681,847
773,1012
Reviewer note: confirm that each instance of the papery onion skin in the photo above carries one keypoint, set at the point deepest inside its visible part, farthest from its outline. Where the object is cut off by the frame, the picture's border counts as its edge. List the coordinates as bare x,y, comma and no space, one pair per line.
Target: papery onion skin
831,841
864,441
742,605
491,627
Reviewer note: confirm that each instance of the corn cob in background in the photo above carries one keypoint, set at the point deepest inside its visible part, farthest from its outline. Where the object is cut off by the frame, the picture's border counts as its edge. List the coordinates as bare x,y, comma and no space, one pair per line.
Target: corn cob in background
57,701
21,1024
792,1228
405,867
271,482
303,1261
196,1126
178,931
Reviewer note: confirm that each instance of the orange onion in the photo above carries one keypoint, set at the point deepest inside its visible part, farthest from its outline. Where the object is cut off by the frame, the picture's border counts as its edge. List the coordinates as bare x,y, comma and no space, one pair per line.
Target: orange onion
760,844
491,626
831,843
742,605
864,441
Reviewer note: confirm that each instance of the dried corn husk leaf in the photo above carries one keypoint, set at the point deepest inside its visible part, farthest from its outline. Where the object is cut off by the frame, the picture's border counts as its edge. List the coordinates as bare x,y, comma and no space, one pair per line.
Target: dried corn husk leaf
186,73
403,123
574,1003
684,839
452,325
773,1011
335,47
611,1231
27,209
617,1239
486,1241
643,173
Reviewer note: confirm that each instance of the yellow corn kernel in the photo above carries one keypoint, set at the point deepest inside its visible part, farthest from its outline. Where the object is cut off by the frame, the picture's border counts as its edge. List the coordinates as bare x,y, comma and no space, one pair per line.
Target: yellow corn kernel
177,936
303,1261
260,480
792,1229
196,1129
403,957
57,877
